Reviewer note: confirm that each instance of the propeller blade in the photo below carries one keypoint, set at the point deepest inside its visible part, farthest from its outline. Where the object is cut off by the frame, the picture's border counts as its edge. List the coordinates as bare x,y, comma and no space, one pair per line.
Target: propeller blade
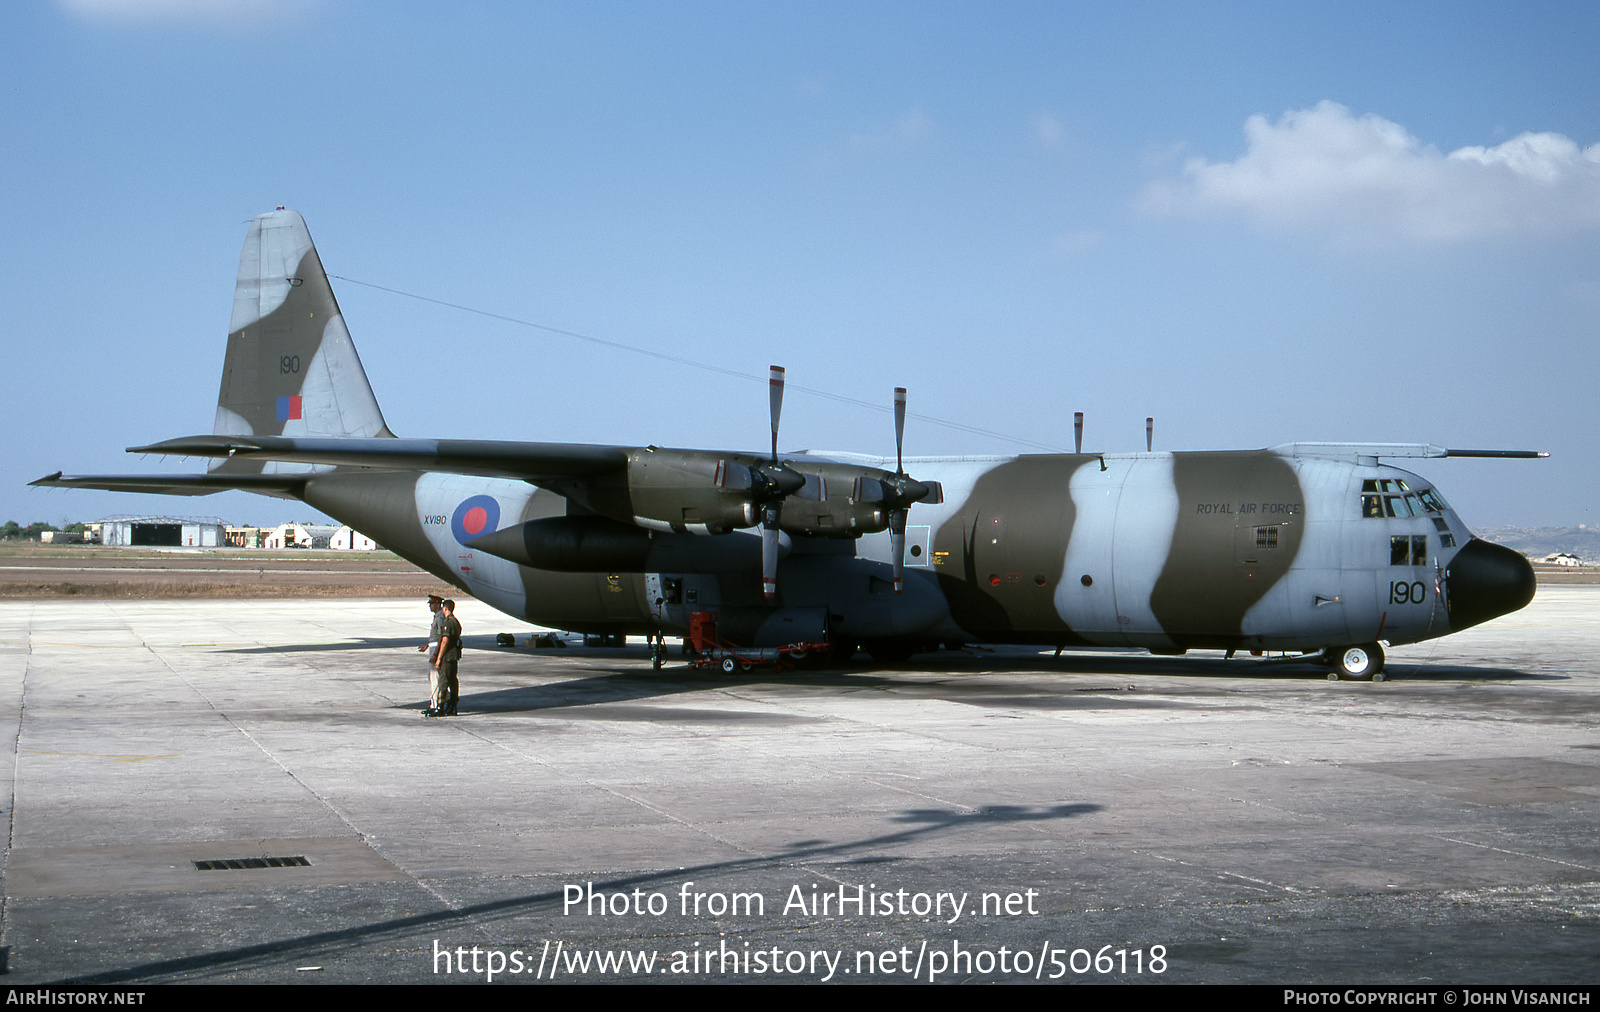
897,547
1149,434
899,428
1077,430
776,383
769,550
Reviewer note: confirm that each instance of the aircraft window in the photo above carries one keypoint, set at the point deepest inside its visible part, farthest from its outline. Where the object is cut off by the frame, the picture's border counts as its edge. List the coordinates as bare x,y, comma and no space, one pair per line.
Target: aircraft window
1370,485
1446,539
1408,550
1395,506
1400,550
1411,502
1371,505
1431,500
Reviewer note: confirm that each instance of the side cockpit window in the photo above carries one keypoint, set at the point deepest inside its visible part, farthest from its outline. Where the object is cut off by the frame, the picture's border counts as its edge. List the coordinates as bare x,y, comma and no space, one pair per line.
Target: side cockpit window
1446,538
1408,550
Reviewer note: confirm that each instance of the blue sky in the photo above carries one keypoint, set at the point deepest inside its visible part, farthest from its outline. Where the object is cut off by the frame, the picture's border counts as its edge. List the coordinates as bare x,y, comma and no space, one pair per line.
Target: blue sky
1258,223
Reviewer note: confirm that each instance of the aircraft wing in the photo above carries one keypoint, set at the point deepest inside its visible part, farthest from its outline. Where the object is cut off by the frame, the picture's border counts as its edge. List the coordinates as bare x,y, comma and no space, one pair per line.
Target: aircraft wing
553,465
288,485
537,463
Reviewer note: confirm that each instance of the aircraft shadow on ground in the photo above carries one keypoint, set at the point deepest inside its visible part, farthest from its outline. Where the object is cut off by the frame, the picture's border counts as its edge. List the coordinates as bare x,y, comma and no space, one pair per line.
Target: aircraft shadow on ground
361,643
944,664
945,674
918,823
612,687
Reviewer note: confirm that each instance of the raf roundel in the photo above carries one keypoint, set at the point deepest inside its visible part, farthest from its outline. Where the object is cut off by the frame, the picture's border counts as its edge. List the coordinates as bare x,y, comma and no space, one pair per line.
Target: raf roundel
475,517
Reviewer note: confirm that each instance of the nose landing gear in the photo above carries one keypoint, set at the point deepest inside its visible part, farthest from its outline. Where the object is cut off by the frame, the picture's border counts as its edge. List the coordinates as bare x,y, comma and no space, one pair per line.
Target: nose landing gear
1356,664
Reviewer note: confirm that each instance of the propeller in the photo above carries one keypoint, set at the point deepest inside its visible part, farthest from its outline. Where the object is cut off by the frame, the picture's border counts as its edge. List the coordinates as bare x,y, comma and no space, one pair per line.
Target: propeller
901,491
897,517
765,486
1077,430
1149,434
772,505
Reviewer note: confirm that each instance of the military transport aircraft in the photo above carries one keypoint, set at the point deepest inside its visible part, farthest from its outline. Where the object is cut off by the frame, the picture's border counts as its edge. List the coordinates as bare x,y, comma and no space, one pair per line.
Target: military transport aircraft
1306,548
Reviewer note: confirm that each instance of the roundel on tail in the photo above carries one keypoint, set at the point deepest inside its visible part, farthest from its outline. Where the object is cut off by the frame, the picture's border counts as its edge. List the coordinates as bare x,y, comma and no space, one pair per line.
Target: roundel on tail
475,517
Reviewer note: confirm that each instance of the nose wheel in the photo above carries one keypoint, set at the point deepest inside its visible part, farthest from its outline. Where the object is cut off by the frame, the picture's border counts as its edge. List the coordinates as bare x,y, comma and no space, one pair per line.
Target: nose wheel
1355,664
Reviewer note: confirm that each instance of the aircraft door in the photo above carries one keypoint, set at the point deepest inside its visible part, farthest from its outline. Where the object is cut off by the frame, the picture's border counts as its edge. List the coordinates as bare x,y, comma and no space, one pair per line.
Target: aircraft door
669,598
655,595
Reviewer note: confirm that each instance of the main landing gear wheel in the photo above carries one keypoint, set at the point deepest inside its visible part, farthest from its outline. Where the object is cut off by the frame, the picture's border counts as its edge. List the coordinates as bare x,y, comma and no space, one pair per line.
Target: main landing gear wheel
1359,663
728,665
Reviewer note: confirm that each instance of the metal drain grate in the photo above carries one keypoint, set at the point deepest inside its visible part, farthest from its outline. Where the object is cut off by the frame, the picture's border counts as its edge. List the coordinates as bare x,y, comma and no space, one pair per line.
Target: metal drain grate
245,863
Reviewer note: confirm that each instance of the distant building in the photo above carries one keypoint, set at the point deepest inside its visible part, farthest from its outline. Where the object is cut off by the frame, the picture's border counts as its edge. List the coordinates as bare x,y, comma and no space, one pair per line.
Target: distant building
163,532
1562,559
61,537
293,535
348,539
247,537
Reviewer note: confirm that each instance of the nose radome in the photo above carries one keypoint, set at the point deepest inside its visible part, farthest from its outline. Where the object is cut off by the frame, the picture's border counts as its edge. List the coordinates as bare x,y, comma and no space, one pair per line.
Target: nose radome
1485,581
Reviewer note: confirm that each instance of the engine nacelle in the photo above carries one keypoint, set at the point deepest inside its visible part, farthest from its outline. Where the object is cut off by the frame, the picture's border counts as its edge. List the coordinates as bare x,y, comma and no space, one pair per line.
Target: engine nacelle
685,491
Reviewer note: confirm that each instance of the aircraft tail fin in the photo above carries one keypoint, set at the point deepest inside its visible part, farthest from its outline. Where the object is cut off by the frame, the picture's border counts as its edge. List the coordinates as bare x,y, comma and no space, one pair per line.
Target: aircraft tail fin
291,368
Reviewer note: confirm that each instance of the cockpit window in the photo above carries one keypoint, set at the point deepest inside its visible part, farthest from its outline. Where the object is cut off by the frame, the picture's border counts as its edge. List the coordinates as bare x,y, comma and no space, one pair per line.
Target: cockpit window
1391,498
1400,550
1408,550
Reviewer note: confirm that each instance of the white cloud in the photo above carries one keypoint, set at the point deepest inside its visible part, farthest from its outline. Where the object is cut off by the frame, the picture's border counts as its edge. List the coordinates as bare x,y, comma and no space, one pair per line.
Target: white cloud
207,12
1365,179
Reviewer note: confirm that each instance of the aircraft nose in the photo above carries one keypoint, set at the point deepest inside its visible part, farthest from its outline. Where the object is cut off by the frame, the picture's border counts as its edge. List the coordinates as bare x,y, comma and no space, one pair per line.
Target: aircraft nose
1485,581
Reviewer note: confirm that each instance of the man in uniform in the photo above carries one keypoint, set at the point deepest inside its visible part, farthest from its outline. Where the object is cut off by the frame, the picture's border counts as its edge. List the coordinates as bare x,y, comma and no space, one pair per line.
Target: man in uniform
449,653
431,648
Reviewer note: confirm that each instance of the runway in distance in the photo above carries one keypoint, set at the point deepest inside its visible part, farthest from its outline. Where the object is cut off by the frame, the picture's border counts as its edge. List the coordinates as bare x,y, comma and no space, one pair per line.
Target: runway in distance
1315,549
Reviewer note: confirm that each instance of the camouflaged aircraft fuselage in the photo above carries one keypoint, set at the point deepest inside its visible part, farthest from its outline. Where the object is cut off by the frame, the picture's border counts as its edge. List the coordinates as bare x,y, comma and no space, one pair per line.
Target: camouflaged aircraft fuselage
1303,547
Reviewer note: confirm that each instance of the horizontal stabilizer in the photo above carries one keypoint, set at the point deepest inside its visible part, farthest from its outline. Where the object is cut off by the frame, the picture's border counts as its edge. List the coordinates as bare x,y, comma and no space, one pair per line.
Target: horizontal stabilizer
289,485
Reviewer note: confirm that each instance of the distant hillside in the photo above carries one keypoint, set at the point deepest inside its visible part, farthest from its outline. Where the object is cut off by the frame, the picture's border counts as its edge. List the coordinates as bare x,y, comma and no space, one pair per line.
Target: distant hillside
1537,542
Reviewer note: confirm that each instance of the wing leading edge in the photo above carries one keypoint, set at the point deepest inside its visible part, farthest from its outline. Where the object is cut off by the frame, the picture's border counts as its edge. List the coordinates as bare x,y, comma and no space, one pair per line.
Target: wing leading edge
531,462
287,486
